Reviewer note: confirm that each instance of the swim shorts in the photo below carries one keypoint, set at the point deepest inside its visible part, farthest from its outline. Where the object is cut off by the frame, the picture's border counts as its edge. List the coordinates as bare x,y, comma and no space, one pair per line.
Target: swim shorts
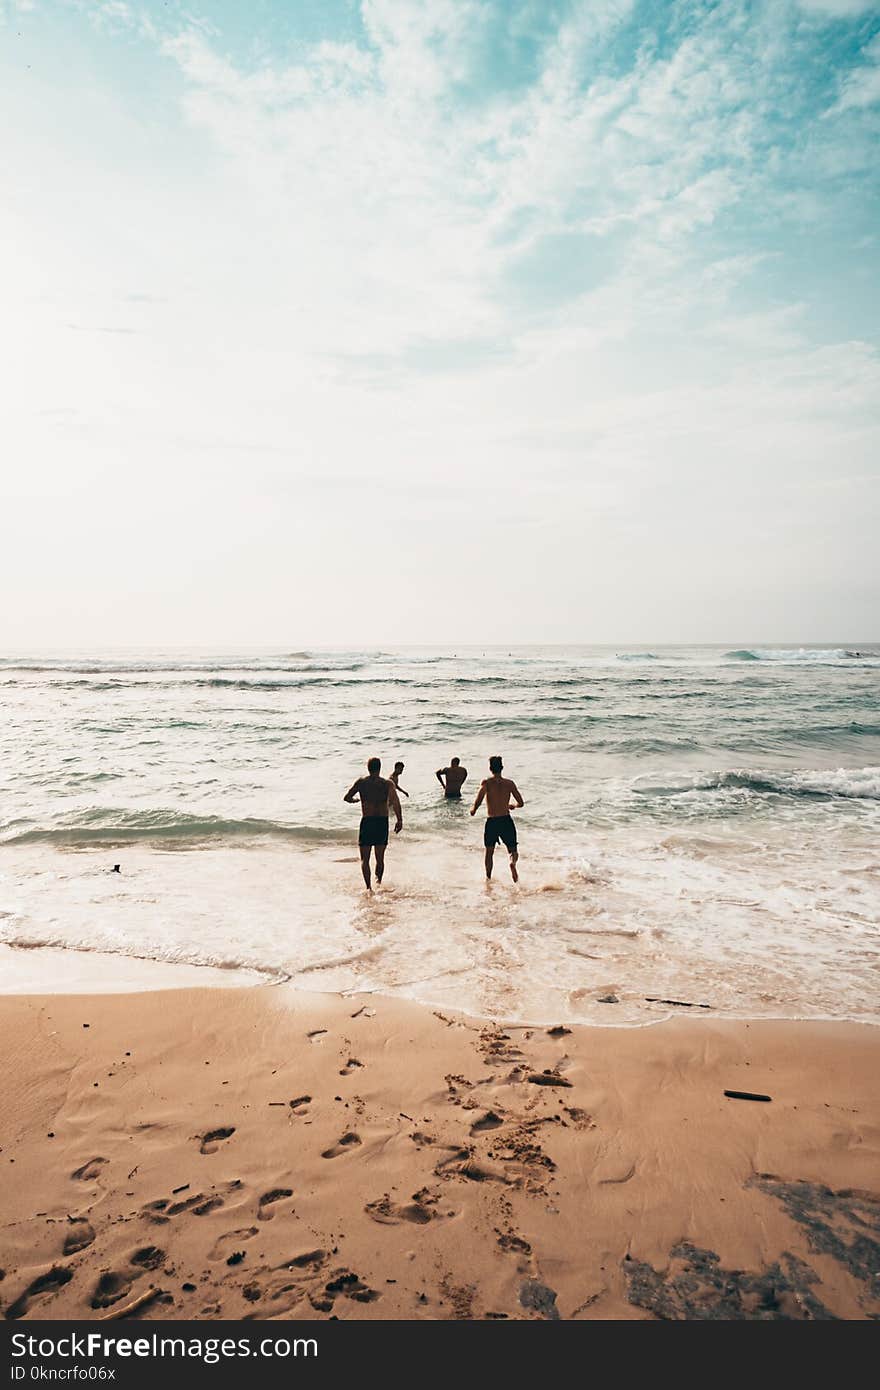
500,828
373,831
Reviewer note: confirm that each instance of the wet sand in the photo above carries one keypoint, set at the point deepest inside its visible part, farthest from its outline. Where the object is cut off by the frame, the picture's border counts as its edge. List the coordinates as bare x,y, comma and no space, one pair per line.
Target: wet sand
262,1153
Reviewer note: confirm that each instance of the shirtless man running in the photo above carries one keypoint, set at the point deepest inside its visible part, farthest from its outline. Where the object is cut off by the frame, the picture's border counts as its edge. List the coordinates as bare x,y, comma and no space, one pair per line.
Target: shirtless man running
497,791
452,779
376,795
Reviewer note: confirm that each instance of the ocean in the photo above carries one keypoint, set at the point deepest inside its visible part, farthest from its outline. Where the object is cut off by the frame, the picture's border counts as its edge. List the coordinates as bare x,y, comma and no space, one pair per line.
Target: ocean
701,824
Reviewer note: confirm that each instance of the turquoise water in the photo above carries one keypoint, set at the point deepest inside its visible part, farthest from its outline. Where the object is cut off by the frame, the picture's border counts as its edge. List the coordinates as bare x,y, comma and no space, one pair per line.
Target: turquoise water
700,823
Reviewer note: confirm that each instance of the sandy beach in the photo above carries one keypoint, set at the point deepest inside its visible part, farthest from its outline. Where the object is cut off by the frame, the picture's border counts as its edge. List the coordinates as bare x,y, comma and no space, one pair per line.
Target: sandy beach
263,1153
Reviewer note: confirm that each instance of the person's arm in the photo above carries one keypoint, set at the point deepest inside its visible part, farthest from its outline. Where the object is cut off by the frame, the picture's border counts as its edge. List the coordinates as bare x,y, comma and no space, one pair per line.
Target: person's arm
514,792
394,803
439,775
353,791
479,801
402,789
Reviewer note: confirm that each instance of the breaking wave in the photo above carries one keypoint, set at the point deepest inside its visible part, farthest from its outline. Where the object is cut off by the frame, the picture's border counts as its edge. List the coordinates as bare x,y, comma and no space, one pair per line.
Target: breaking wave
862,784
115,827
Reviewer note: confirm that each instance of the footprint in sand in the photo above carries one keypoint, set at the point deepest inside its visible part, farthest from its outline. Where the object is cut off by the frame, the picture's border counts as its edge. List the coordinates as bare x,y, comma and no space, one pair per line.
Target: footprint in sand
418,1212
300,1106
89,1170
230,1241
461,1164
497,1046
482,1172
148,1257
41,1289
185,1204
514,1244
110,1288
210,1204
345,1285
309,1259
268,1199
79,1236
351,1065
580,1118
348,1142
214,1137
491,1120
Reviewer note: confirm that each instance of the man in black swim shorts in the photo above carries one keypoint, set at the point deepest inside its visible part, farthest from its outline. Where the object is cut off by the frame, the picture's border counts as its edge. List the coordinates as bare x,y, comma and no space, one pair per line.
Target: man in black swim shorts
497,791
376,794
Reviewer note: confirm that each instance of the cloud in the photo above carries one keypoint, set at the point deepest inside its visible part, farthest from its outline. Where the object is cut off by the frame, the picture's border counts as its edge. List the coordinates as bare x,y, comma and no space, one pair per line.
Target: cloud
581,291
838,9
362,153
861,86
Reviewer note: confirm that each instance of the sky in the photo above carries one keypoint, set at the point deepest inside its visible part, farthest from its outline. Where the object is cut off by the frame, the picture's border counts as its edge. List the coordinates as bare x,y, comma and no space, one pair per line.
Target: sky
345,322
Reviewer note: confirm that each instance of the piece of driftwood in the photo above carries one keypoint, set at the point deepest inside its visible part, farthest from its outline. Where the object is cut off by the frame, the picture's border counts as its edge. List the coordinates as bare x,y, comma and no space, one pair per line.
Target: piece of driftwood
746,1095
679,1003
148,1296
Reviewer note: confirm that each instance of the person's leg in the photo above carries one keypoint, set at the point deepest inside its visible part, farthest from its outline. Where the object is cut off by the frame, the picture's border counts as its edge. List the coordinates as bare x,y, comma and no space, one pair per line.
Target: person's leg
490,840
365,864
380,862
508,834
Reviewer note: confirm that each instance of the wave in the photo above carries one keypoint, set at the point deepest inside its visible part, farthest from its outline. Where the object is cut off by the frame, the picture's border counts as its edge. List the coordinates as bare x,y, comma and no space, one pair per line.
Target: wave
179,956
302,679
818,655
631,746
114,827
158,668
828,733
636,656
859,784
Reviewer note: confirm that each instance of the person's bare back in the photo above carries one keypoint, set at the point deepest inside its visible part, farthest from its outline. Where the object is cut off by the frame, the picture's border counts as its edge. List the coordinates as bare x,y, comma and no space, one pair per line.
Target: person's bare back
499,792
452,779
374,795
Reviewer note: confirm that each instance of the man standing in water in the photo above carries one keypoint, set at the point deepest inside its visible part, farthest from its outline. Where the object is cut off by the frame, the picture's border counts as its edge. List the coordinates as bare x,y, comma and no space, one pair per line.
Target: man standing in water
452,779
376,795
497,791
395,778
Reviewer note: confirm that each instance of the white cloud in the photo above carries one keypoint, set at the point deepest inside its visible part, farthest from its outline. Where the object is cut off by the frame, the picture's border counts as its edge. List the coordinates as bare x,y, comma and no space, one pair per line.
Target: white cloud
838,9
861,87
345,307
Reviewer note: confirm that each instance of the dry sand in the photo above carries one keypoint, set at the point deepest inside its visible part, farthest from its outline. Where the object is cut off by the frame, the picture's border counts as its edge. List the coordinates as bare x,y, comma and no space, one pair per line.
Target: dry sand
258,1153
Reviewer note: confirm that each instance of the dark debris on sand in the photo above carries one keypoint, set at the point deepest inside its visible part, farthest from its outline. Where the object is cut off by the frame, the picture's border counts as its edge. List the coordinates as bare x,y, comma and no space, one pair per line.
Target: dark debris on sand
701,1289
844,1225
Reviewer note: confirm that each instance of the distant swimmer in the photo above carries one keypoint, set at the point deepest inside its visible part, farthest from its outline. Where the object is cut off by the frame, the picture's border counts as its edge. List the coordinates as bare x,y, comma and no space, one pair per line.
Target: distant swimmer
497,791
376,794
395,778
452,779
